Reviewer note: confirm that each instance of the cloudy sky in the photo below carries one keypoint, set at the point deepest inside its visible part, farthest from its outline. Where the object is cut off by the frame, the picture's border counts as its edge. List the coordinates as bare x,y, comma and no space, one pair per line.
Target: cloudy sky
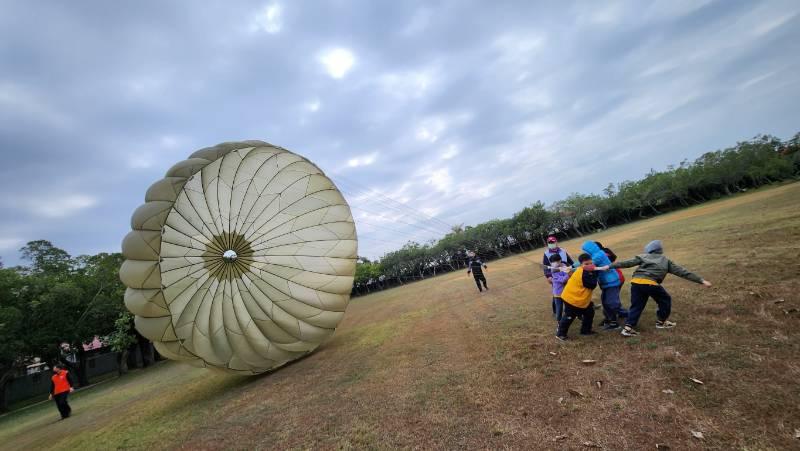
459,110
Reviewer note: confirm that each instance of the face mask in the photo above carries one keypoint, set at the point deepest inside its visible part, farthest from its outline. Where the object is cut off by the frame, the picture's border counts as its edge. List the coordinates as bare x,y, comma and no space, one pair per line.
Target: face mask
552,245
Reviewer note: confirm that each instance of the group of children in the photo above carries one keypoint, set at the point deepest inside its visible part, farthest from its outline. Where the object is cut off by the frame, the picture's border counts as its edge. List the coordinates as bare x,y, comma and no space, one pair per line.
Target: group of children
573,286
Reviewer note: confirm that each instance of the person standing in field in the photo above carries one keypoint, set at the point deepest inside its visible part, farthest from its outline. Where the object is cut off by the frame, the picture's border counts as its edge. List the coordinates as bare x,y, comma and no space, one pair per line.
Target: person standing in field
60,388
560,273
610,285
653,267
553,249
476,267
577,296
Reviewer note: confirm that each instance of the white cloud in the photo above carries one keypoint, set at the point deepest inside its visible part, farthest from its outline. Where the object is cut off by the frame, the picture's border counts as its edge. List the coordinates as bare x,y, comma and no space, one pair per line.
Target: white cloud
313,106
140,161
362,160
268,19
450,152
17,100
419,22
55,205
771,24
60,206
440,179
755,80
408,84
430,131
10,243
337,61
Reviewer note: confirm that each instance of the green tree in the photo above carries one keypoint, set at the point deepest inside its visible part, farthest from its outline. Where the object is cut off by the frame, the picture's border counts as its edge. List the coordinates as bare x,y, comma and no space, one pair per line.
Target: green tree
121,339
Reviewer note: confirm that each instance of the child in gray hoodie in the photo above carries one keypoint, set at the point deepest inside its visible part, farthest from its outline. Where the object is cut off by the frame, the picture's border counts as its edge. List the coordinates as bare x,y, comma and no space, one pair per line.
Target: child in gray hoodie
653,267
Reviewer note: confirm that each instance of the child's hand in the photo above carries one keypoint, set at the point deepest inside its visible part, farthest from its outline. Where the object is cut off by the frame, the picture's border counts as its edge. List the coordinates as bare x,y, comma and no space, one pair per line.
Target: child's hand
550,280
602,268
706,283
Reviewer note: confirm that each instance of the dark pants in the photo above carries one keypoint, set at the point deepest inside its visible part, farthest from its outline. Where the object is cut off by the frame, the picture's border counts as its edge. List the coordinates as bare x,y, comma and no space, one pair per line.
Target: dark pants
612,304
63,406
570,313
478,279
640,294
558,308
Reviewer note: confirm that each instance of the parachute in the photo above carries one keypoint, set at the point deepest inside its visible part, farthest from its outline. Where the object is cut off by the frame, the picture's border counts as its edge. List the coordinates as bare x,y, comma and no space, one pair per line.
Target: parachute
242,258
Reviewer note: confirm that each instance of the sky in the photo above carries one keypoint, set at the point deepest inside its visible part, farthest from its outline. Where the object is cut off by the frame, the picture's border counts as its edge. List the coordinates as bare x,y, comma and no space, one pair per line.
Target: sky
462,111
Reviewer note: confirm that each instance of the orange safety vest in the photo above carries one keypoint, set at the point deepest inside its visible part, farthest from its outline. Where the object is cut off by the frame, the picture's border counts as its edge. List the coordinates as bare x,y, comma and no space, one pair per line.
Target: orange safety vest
60,382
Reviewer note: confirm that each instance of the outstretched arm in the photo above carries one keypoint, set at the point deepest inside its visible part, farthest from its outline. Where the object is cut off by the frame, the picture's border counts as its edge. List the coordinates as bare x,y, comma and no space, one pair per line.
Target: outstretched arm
682,272
635,261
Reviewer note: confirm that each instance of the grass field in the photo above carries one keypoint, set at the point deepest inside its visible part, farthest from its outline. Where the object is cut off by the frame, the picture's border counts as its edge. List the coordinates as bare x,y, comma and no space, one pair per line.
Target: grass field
435,364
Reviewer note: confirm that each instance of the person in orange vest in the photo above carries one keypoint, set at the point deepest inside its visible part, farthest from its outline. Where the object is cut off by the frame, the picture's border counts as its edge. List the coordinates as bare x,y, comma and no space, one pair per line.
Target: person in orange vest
60,388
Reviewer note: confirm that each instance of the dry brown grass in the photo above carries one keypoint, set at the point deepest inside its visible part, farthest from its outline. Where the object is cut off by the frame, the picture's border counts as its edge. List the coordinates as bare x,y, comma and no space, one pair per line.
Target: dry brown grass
436,365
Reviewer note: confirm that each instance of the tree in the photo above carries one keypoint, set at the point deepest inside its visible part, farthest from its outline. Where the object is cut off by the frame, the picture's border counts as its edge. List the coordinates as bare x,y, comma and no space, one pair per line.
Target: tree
46,258
14,324
121,340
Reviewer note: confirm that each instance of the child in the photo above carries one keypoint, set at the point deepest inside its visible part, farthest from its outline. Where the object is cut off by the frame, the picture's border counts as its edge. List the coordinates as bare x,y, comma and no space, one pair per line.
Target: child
476,267
577,296
610,285
560,274
653,267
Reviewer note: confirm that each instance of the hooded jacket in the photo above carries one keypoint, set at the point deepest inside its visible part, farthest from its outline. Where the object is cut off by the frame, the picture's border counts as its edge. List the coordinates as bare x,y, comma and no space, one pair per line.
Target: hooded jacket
654,266
606,279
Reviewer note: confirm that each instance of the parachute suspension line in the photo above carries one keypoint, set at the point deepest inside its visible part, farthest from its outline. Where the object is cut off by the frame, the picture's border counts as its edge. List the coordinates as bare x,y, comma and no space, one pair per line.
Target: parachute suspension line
433,224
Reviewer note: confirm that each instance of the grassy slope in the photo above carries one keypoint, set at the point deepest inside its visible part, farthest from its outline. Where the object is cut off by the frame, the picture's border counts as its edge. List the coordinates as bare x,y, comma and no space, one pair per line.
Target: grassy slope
435,364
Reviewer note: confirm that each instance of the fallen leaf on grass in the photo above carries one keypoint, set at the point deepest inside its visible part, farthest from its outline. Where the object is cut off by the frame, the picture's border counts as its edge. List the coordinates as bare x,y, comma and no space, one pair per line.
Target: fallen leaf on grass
696,381
698,435
779,301
662,446
559,438
599,384
797,434
553,353
588,362
561,400
591,445
668,392
575,392
790,311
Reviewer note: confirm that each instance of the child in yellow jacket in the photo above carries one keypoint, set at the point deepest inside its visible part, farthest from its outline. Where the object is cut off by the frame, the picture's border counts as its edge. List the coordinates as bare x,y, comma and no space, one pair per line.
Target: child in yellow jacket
577,296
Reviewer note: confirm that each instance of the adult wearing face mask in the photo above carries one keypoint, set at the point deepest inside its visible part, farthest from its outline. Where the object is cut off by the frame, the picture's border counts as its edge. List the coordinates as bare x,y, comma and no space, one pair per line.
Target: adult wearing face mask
552,249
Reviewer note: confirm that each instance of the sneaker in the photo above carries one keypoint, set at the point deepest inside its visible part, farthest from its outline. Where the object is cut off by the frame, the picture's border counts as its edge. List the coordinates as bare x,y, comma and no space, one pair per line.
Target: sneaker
591,332
612,325
629,331
561,337
666,324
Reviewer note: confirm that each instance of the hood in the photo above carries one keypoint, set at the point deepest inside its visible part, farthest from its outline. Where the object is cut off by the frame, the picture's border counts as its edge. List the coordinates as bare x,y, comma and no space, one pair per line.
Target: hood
590,247
654,247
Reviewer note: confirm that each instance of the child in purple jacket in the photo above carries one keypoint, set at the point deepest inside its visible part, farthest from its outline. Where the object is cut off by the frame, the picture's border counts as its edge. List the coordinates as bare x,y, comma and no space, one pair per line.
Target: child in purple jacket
560,274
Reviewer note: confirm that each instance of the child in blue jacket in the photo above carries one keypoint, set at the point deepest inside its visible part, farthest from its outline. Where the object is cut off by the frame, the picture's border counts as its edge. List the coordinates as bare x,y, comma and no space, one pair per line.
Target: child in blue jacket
610,286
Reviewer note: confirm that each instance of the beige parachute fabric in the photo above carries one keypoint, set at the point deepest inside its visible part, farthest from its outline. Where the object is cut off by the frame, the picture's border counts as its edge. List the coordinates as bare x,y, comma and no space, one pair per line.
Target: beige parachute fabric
242,258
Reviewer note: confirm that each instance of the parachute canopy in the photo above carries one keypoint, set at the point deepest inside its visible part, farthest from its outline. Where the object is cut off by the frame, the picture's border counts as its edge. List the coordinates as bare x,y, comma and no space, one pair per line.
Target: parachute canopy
242,258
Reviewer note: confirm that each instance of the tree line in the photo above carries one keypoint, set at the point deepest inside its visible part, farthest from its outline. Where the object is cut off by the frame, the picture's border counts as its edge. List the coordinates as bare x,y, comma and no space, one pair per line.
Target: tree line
52,306
749,164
